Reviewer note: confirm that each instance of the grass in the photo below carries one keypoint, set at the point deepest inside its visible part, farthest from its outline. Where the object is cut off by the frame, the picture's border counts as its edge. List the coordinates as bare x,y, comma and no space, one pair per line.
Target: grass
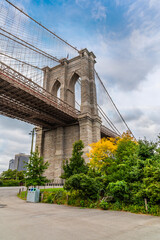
23,194
59,196
51,189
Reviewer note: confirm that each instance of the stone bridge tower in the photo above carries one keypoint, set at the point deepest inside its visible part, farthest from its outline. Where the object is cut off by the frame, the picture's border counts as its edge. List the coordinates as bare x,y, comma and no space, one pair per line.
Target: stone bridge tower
56,145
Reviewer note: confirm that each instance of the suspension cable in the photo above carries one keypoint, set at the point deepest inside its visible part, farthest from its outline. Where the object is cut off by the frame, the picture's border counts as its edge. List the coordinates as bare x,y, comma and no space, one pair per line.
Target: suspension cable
42,26
33,48
20,61
114,104
108,120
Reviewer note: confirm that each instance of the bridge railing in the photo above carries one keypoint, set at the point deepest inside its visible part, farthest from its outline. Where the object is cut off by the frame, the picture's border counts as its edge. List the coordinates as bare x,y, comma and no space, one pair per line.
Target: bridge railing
38,90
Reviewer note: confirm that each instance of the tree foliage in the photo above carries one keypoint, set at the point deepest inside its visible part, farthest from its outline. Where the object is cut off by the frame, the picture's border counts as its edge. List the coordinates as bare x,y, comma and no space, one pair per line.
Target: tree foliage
76,163
35,170
12,174
131,169
12,178
147,148
121,169
102,153
86,186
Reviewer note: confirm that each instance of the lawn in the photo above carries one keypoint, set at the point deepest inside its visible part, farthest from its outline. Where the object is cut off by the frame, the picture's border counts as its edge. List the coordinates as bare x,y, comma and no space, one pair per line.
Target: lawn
23,194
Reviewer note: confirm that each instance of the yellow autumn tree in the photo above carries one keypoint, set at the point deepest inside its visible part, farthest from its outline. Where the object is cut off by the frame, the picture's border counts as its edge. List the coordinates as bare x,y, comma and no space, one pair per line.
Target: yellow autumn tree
102,152
126,136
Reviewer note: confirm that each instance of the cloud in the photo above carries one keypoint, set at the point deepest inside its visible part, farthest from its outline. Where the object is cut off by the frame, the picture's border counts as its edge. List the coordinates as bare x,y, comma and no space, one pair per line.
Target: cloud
140,107
125,59
97,8
14,138
130,114
154,4
129,64
83,3
99,11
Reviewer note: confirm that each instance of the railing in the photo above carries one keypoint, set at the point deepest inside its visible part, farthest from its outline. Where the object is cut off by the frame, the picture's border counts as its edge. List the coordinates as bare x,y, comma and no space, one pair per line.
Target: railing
53,100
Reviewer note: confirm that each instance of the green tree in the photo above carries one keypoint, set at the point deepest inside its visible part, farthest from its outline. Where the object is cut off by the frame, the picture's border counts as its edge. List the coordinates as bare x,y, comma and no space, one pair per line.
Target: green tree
20,175
76,164
127,148
9,174
35,170
147,149
13,174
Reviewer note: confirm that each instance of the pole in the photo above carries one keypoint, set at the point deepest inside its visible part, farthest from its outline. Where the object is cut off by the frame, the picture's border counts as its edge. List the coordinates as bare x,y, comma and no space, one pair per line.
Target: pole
32,139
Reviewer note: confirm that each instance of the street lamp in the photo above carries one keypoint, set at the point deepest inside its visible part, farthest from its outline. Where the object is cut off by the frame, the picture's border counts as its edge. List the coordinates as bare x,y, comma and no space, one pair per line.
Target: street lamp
33,132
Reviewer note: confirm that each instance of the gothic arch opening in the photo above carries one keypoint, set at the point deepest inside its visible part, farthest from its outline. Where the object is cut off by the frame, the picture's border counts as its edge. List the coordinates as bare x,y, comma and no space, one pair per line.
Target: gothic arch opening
56,89
77,90
74,91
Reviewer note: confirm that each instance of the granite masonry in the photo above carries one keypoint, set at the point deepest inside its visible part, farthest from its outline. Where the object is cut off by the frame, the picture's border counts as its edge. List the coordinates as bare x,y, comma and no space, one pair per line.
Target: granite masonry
56,145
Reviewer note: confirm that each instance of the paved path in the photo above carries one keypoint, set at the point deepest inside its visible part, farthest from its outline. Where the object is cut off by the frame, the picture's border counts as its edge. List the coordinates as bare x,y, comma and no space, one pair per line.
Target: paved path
36,221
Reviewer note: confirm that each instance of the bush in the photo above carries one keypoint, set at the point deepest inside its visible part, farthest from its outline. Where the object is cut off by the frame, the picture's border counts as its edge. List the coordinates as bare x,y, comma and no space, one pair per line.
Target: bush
104,205
117,206
74,198
11,182
119,190
86,186
59,197
1,183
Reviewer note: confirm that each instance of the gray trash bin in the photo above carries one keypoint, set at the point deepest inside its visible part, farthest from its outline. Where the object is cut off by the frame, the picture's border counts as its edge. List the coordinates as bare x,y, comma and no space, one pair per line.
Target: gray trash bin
33,195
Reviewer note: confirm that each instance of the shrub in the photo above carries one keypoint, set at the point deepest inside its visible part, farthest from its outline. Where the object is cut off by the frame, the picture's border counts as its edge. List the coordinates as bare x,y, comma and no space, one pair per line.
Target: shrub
86,186
57,196
11,182
117,206
104,205
119,190
1,183
74,198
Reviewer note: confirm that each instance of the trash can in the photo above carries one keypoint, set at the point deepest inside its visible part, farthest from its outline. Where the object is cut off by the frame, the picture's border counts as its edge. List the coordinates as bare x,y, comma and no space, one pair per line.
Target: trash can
33,195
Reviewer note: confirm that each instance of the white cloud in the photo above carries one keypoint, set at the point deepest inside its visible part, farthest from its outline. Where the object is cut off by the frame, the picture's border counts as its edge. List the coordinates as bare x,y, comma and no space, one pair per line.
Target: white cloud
127,61
154,4
99,11
97,8
83,3
14,138
141,107
130,68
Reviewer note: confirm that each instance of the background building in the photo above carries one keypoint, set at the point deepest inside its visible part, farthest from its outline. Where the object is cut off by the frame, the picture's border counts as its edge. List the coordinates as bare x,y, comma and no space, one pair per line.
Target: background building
19,162
11,164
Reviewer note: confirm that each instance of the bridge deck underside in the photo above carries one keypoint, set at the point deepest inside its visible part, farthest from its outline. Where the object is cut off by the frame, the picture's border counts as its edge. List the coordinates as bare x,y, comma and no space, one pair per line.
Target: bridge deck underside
20,102
106,132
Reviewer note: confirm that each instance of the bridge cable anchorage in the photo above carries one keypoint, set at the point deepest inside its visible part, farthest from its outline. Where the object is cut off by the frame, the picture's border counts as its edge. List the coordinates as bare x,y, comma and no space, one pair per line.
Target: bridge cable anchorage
42,26
114,104
110,123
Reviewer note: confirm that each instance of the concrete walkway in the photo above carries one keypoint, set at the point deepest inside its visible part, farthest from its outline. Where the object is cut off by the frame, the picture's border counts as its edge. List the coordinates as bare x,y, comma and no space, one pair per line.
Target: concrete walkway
37,221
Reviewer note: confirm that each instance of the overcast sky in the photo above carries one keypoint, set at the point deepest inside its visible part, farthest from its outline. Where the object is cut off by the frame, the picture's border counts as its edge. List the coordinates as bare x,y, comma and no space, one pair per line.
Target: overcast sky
125,37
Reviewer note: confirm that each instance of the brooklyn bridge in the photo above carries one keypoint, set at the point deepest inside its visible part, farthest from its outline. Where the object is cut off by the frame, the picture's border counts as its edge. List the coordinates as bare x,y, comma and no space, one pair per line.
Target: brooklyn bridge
51,84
